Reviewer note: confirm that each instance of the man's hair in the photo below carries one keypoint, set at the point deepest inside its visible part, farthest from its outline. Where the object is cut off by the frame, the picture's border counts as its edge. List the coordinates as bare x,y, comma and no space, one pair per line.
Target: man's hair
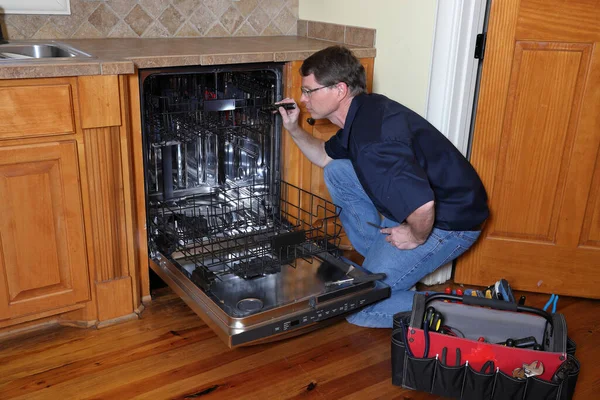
336,64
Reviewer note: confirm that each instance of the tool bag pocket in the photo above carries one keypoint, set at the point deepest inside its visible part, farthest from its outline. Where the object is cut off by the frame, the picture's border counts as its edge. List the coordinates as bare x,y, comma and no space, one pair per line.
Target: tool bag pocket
398,354
418,373
567,388
507,387
448,381
477,385
539,389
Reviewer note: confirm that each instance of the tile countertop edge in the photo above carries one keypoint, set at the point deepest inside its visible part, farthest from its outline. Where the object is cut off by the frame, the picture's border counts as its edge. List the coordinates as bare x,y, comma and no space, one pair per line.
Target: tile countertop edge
43,70
51,69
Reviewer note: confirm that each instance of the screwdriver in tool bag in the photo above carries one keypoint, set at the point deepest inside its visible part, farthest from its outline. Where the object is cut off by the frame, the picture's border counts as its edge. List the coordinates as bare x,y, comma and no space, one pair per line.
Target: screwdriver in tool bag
433,319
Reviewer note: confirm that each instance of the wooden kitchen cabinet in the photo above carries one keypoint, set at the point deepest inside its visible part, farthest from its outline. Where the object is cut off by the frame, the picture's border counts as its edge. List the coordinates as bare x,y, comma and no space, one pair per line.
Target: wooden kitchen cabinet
66,228
297,169
43,262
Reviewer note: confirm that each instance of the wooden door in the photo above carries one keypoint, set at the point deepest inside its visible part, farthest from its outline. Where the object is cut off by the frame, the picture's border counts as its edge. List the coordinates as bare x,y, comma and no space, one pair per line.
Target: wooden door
43,263
535,146
297,169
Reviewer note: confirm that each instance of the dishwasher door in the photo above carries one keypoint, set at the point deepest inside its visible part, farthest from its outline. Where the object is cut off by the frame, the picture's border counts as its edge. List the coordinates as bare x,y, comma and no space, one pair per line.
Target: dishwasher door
295,301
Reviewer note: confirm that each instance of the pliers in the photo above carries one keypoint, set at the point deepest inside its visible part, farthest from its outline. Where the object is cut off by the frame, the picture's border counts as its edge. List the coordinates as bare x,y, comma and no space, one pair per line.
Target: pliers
426,335
553,300
405,336
445,355
489,364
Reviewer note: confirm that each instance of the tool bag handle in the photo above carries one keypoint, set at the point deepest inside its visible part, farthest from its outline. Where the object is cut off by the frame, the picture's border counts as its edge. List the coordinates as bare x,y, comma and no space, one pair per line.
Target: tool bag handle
492,303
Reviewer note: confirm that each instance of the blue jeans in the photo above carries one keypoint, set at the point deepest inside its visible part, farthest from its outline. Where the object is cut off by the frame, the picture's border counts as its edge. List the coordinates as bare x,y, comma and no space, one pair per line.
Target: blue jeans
404,268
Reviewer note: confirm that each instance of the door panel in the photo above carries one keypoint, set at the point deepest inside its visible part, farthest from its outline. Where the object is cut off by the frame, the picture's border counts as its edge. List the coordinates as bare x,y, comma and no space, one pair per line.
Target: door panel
544,95
43,264
535,146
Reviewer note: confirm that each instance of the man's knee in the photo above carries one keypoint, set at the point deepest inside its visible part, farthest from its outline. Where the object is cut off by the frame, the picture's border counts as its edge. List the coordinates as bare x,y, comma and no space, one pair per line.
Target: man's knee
336,171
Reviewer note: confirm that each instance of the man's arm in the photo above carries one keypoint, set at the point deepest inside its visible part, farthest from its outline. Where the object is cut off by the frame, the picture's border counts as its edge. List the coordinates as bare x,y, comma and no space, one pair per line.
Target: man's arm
312,147
415,230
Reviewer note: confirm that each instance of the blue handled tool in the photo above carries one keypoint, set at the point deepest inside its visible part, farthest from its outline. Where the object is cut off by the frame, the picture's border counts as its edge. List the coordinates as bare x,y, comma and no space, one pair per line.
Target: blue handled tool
553,300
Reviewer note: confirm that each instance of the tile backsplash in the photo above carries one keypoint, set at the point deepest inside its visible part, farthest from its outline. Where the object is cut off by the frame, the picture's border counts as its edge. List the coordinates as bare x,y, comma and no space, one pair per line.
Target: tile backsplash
158,18
337,33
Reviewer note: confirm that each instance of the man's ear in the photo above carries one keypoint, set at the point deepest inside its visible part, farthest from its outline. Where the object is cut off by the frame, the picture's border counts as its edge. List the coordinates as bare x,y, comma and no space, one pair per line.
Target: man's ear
343,89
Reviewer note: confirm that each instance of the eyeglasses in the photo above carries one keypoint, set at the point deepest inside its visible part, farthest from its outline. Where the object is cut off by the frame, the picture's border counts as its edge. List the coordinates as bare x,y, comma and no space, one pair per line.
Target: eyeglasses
308,92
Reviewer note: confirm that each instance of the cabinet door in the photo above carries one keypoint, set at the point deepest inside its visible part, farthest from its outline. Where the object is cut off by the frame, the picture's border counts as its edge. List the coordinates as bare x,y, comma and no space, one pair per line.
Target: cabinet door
43,263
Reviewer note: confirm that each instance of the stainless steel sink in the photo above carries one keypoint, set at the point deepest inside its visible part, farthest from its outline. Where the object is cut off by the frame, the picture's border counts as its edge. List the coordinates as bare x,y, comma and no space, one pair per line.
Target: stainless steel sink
39,50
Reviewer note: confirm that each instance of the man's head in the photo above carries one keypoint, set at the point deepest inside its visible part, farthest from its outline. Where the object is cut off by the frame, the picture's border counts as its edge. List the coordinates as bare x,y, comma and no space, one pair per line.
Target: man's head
330,79
336,64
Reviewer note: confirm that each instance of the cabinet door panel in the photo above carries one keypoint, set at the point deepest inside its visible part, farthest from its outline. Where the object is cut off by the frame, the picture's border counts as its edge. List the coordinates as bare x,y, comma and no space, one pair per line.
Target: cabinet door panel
324,130
43,262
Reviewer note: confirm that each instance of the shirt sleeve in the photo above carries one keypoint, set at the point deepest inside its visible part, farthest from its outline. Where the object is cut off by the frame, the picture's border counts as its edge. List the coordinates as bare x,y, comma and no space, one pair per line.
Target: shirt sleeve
334,147
395,178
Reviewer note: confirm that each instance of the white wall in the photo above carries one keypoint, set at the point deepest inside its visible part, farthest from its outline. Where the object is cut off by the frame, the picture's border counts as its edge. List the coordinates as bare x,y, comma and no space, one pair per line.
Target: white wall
404,41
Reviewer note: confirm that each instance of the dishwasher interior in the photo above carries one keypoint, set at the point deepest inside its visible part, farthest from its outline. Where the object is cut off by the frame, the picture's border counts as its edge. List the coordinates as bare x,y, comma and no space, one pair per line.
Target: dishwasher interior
245,249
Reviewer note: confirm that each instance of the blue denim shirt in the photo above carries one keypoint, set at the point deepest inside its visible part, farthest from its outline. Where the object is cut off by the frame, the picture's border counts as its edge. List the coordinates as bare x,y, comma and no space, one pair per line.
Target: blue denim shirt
403,162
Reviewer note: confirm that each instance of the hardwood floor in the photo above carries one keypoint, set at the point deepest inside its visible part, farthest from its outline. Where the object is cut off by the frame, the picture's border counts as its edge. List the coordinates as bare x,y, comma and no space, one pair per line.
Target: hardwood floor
171,354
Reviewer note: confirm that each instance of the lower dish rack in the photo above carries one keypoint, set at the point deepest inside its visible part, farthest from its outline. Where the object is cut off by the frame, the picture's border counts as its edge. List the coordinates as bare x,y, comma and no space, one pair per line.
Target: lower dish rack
246,231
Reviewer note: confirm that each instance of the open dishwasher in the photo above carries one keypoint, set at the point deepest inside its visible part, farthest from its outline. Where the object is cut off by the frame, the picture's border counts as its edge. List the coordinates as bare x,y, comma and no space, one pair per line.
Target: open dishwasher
252,255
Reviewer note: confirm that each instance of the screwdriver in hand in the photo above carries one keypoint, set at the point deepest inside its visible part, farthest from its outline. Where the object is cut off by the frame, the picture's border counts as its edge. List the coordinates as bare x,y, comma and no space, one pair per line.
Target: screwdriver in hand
275,107
375,225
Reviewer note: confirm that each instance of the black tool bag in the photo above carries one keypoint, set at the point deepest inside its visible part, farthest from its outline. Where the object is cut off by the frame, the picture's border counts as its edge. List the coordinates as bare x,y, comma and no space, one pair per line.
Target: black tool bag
481,349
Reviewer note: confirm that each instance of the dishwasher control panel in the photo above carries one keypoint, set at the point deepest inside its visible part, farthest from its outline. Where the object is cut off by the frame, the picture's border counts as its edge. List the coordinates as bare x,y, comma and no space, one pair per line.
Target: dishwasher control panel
322,312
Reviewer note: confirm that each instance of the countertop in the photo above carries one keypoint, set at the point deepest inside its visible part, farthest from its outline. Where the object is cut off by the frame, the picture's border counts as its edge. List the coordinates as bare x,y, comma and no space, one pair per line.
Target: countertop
122,56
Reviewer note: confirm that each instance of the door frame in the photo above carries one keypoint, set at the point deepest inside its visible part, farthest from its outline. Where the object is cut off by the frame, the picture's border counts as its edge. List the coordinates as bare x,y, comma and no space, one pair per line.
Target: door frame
454,70
453,79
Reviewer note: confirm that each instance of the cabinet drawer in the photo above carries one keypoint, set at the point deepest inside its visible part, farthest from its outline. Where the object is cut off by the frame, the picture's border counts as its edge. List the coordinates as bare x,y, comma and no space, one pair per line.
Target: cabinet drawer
27,111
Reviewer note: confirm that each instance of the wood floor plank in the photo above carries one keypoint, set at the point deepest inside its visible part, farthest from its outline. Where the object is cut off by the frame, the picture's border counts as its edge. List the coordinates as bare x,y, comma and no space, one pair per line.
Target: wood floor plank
171,354
55,343
105,361
188,378
382,390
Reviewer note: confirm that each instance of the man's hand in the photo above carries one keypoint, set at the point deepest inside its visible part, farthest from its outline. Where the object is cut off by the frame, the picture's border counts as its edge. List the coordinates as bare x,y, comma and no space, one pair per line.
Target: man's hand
312,147
401,237
415,231
289,117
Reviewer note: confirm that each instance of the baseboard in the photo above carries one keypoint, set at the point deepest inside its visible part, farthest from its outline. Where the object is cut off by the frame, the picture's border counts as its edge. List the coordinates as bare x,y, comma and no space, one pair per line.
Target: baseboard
118,320
440,275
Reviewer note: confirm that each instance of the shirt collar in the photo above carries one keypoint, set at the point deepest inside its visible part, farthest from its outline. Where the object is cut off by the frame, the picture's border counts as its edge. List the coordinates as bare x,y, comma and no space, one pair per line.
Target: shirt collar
354,106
